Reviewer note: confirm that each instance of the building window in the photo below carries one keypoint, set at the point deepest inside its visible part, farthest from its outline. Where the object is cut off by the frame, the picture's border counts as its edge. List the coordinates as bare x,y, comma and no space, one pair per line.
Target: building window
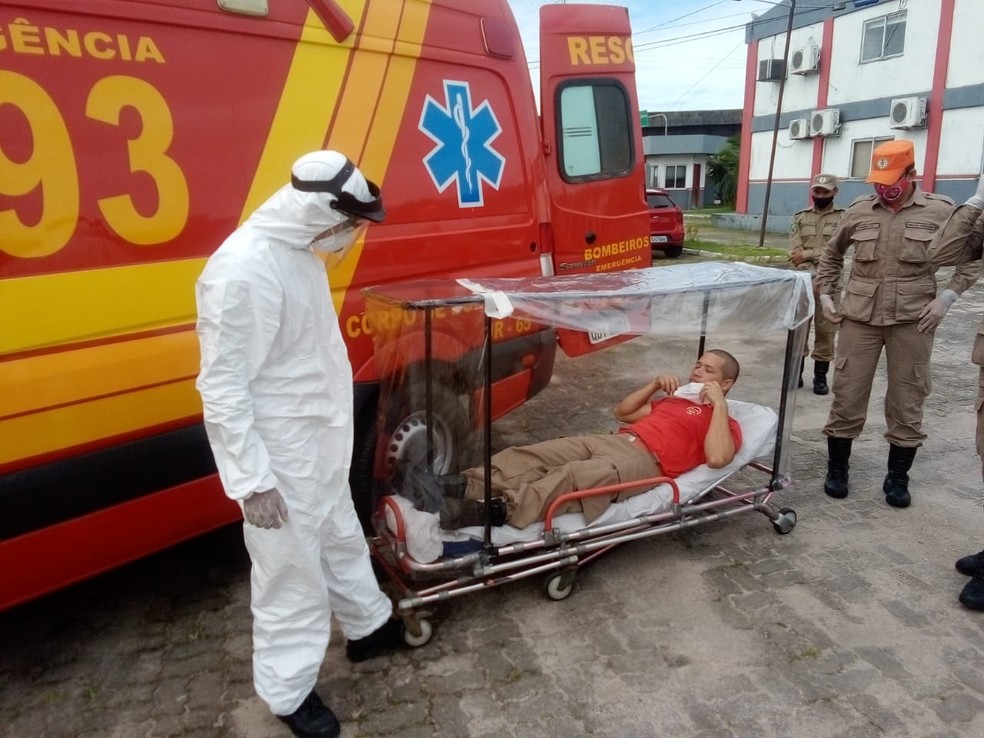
676,177
652,181
595,131
861,155
883,37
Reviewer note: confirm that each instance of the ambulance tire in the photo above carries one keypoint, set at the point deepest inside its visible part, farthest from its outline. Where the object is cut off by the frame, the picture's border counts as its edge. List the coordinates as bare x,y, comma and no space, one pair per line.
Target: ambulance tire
453,445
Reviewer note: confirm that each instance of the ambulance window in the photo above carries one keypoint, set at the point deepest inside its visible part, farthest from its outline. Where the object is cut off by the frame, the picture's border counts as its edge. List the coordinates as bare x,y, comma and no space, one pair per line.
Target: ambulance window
595,130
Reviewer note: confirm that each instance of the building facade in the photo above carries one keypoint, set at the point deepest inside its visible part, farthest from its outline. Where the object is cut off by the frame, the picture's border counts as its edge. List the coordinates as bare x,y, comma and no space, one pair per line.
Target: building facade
858,73
677,146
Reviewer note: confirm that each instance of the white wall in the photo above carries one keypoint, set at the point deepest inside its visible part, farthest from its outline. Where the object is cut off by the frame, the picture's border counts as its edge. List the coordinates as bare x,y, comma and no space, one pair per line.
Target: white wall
966,50
793,158
851,80
801,90
962,142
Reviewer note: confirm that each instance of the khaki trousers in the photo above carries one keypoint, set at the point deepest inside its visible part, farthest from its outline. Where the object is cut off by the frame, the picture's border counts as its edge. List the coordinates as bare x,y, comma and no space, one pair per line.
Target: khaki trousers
824,333
531,477
980,418
908,353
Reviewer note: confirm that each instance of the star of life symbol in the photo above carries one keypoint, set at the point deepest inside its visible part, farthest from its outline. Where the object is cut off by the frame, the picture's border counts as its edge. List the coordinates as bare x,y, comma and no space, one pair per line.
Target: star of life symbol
463,134
883,163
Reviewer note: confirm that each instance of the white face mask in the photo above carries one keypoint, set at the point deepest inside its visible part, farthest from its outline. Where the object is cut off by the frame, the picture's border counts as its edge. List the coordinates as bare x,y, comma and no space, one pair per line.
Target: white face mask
690,391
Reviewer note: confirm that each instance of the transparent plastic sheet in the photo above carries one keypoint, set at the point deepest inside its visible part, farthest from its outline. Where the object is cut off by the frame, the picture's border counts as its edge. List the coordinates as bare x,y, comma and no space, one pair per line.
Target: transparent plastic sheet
437,342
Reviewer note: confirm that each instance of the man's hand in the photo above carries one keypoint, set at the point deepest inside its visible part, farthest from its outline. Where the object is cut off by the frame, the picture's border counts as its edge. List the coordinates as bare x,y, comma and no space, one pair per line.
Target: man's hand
796,256
713,394
265,509
934,312
829,311
668,383
977,199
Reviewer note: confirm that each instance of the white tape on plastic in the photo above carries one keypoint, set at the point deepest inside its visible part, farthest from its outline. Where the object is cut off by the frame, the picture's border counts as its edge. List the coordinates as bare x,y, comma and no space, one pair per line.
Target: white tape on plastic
497,304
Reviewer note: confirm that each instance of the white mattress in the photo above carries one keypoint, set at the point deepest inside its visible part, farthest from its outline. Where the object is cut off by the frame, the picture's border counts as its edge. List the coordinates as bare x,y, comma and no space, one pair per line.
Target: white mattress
758,429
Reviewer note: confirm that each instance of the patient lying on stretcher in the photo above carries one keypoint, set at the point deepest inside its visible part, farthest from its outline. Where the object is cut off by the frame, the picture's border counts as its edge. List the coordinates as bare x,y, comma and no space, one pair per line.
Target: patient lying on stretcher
689,425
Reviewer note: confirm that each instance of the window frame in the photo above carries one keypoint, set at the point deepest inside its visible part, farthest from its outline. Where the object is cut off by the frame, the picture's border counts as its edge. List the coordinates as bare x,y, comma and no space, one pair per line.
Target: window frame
629,119
884,21
666,181
874,141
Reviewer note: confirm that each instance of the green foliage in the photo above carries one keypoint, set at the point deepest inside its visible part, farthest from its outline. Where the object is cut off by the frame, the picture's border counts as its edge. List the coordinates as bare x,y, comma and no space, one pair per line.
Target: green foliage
723,170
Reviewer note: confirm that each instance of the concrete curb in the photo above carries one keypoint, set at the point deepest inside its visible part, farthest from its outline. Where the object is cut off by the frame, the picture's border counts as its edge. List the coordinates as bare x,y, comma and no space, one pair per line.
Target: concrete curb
729,257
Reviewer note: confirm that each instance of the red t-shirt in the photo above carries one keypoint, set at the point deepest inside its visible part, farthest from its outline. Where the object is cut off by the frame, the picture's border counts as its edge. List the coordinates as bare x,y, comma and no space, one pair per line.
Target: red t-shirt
675,430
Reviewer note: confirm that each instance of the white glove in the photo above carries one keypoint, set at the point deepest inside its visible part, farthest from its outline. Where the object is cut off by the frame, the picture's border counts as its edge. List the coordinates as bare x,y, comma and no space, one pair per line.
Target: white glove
829,311
977,199
932,315
265,509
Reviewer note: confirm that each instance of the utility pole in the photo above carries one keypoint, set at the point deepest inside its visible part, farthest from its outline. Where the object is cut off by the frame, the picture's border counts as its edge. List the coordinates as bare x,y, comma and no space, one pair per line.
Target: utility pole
775,128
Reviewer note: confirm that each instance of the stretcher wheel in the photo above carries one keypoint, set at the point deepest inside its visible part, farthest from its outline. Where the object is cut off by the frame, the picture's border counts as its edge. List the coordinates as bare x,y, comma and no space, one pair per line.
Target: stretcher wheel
558,586
425,629
784,521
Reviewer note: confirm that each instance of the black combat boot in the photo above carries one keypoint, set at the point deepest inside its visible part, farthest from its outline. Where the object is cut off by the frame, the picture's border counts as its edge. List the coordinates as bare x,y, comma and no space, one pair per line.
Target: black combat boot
312,719
838,454
972,595
896,486
820,377
386,637
971,566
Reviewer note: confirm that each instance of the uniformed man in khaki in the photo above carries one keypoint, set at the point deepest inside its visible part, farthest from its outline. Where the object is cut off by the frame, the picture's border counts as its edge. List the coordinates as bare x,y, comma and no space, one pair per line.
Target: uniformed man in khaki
961,241
812,228
889,302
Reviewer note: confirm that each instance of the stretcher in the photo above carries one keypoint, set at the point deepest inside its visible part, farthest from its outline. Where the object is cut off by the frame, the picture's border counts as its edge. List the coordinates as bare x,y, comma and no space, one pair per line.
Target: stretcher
418,354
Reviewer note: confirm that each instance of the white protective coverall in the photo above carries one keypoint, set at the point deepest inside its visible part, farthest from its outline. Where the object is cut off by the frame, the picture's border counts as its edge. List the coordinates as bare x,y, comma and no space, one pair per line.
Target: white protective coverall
276,385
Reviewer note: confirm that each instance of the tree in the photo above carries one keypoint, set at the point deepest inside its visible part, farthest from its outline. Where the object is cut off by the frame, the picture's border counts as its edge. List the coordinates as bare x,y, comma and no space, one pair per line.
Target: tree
723,170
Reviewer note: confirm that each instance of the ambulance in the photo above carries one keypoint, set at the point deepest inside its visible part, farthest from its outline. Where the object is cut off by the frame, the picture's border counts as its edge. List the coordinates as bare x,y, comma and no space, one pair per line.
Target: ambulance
135,135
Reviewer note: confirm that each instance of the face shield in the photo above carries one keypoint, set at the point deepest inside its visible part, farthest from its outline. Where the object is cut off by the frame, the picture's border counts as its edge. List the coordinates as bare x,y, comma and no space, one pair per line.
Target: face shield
337,240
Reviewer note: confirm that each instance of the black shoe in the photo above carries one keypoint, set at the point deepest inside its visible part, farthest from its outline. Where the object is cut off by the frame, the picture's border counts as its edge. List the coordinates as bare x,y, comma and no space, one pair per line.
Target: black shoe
838,463
820,386
896,484
972,595
971,566
386,637
312,719
466,513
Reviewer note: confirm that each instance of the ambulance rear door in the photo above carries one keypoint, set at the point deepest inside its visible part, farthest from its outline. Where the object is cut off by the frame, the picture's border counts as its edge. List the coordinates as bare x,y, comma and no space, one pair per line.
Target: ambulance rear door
593,144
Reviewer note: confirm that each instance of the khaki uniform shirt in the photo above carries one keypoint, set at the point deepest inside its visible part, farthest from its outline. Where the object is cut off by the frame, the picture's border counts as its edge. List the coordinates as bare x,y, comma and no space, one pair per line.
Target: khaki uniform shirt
892,278
810,232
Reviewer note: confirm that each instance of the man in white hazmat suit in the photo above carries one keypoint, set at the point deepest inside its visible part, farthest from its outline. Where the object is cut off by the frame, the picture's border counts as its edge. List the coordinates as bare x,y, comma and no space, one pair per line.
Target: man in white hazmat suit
276,385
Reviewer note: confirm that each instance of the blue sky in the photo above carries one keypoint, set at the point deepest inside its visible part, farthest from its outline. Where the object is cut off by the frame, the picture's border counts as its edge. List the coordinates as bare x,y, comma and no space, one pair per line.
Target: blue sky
685,59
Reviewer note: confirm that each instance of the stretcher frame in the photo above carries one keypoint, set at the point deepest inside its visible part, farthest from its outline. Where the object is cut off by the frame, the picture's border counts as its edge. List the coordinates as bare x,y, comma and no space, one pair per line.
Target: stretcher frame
557,555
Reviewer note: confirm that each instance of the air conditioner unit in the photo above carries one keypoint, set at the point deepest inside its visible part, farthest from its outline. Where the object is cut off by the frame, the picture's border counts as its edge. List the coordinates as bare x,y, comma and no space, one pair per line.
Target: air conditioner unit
907,112
799,128
771,70
804,60
825,122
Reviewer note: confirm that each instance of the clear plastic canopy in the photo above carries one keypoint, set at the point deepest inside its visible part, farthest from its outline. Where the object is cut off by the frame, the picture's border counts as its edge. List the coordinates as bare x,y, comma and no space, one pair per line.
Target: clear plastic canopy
453,354
684,299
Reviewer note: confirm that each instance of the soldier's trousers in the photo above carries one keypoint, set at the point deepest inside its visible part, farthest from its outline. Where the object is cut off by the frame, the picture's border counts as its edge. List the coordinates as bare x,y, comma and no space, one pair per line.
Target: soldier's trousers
824,333
908,353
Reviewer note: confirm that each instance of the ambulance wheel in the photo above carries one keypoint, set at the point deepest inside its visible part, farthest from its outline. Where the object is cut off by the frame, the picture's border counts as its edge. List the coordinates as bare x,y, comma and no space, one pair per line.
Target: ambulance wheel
407,430
559,585
425,632
784,521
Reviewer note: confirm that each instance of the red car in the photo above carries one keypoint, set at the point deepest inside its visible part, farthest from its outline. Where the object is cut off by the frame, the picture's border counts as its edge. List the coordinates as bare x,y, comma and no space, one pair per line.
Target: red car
665,223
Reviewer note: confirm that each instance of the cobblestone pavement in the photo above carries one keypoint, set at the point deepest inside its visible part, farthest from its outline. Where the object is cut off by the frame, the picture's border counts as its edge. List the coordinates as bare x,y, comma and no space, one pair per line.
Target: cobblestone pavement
848,626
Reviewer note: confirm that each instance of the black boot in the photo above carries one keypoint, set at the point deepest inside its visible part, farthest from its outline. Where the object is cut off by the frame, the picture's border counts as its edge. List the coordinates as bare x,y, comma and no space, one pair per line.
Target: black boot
802,363
312,719
465,513
820,377
838,454
972,595
896,486
386,637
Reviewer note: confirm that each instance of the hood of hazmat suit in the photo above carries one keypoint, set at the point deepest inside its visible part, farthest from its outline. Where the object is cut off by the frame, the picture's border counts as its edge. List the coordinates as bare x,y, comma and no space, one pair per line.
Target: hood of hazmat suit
276,386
